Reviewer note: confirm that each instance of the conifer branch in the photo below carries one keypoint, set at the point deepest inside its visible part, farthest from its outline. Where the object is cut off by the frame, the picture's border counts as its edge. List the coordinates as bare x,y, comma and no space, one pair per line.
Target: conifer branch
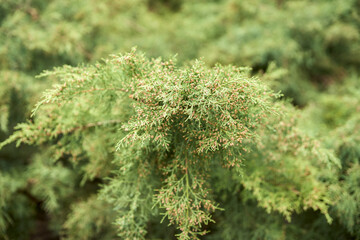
177,125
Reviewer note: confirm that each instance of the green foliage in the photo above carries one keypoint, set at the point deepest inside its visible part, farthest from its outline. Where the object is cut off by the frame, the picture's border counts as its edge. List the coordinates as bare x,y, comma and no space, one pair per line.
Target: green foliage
94,170
90,219
178,126
338,115
317,41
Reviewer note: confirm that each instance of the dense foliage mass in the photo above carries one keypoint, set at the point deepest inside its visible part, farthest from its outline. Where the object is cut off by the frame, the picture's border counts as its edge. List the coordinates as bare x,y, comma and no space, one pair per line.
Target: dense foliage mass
126,146
178,126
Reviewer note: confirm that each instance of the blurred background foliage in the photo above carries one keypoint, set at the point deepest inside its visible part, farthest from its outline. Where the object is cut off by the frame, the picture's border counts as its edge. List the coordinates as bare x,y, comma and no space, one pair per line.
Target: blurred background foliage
309,50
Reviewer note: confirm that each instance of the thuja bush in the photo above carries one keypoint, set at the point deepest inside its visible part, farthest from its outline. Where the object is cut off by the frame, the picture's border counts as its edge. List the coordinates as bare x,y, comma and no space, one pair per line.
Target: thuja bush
143,143
314,42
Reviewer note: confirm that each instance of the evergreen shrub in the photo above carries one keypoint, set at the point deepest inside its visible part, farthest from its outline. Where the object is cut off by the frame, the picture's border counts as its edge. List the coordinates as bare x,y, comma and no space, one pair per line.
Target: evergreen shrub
132,138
